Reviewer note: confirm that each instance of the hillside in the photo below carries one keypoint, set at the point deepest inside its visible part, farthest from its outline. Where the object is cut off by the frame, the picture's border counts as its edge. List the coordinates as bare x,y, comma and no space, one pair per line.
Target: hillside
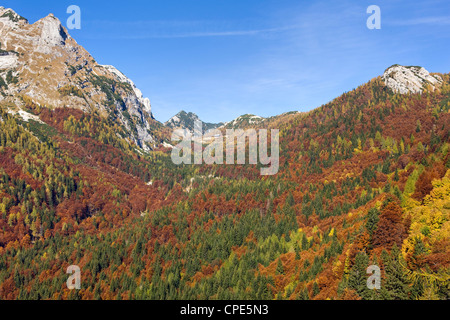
356,176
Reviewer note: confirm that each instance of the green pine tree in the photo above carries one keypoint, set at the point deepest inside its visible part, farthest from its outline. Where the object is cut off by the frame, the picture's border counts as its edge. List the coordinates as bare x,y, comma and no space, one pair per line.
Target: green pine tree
280,269
357,279
397,286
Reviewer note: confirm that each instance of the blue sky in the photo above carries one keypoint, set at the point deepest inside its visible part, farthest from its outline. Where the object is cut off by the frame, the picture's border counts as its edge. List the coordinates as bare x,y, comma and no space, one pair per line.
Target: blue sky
224,58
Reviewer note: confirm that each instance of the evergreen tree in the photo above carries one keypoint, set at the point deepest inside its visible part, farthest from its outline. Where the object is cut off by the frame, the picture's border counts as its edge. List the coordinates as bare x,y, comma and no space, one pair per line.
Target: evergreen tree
280,269
372,220
316,289
396,283
357,279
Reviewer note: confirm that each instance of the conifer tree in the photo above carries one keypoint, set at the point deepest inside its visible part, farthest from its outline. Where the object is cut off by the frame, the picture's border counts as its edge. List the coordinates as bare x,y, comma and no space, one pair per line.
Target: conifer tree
396,285
357,279
280,269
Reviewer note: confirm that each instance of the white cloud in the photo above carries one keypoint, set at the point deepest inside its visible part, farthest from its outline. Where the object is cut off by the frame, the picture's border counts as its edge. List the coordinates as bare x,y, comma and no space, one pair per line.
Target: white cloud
160,29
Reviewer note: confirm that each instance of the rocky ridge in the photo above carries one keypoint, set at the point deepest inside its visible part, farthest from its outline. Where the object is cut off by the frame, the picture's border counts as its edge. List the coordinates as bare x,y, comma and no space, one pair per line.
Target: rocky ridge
185,121
410,79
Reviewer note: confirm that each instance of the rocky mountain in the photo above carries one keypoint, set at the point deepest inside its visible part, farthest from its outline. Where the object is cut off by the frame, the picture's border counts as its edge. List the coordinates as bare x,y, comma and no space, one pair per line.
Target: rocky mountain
42,64
120,77
410,79
185,121
247,121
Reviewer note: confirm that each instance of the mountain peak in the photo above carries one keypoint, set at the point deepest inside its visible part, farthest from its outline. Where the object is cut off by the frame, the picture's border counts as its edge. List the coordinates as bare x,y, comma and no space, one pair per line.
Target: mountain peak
409,79
185,113
244,121
47,66
182,119
52,33
186,120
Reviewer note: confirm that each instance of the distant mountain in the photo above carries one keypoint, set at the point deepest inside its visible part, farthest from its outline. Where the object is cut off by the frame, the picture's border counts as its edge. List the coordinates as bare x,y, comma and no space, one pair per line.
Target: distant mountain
247,121
244,121
185,121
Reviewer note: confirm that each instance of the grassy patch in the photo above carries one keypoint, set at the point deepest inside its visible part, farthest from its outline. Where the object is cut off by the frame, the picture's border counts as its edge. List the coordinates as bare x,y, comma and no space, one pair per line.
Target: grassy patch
69,90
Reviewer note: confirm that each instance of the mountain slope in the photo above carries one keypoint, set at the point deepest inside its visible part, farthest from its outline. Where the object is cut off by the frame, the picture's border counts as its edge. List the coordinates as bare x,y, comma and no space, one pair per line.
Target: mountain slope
42,64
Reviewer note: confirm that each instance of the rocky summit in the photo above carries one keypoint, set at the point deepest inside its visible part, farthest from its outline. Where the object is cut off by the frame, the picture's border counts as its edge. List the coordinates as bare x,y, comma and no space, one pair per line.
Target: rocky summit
411,79
185,121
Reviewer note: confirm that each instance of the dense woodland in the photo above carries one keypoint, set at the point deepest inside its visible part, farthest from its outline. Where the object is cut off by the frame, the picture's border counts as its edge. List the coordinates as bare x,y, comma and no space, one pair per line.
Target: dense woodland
364,180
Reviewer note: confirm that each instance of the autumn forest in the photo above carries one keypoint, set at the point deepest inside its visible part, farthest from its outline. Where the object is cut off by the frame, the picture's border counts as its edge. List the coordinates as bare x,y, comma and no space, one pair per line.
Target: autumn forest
363,180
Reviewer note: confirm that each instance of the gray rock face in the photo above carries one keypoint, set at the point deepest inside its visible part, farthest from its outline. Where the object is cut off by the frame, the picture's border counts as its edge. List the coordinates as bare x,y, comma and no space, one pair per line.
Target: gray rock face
52,34
138,107
404,80
123,78
8,61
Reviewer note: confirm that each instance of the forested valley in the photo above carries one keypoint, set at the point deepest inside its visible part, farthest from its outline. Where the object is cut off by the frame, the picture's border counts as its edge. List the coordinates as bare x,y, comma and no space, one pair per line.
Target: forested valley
363,180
